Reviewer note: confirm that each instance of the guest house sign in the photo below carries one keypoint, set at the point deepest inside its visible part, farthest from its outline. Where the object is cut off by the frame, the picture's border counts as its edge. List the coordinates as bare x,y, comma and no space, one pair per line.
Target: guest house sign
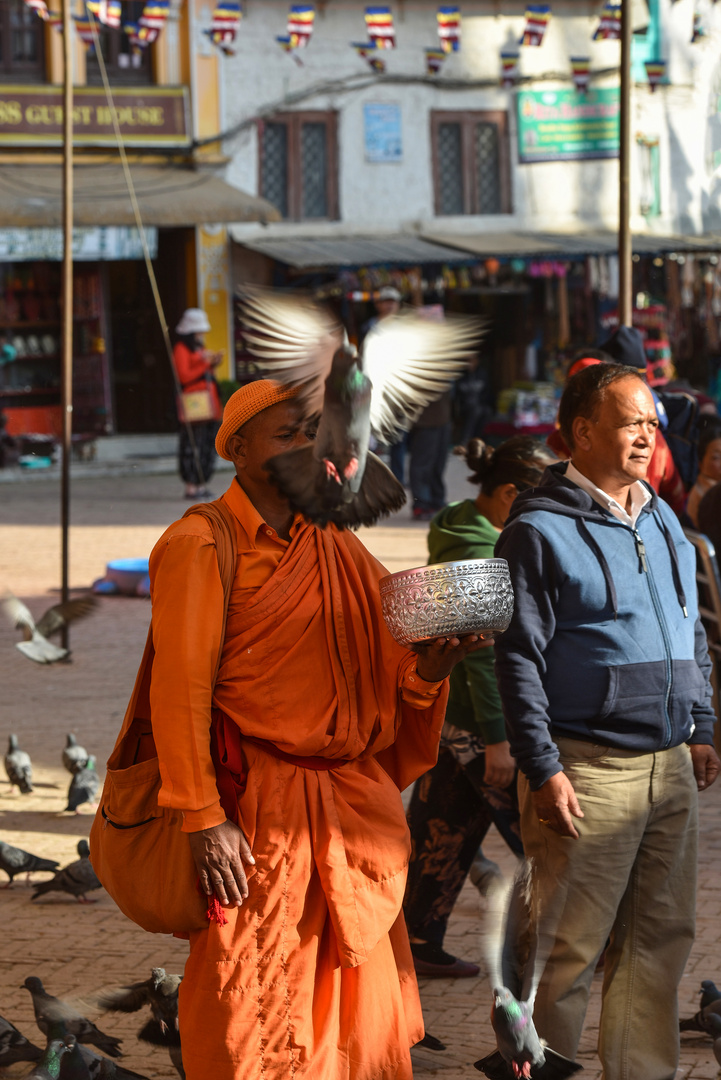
153,115
565,125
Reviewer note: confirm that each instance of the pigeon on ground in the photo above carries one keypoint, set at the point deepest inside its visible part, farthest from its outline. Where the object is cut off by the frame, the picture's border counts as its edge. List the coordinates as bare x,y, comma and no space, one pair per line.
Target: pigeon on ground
709,992
50,1010
714,1030
14,1046
710,1006
84,1064
408,362
48,1068
160,993
84,785
35,644
77,878
516,955
15,861
153,1033
74,757
18,767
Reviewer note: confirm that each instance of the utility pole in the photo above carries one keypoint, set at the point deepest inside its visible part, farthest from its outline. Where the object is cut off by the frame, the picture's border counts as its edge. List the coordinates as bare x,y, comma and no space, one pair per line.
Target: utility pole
625,264
67,306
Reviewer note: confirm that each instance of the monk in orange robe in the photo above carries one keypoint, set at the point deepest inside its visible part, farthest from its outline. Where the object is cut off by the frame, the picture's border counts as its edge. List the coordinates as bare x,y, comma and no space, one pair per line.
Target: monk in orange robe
323,719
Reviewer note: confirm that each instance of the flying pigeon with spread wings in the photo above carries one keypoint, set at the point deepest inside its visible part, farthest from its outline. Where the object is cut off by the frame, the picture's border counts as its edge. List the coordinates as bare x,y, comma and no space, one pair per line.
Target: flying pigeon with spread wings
35,644
407,363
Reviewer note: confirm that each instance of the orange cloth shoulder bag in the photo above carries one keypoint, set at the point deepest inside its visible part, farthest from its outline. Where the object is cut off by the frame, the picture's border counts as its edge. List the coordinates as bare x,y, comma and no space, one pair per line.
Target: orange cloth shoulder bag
136,847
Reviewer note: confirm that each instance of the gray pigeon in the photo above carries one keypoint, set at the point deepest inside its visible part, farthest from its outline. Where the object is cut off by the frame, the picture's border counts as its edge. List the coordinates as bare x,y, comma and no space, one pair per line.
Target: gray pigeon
18,767
50,1010
84,785
714,1029
77,878
710,1006
709,992
35,644
84,1064
160,992
516,959
48,1068
14,1046
14,860
408,362
74,756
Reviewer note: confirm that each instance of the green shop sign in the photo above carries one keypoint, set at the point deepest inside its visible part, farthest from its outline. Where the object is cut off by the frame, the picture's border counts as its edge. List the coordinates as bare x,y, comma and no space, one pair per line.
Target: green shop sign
563,125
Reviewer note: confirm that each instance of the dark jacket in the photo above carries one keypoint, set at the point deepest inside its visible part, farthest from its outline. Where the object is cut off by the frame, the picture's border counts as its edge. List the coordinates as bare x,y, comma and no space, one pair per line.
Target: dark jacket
605,643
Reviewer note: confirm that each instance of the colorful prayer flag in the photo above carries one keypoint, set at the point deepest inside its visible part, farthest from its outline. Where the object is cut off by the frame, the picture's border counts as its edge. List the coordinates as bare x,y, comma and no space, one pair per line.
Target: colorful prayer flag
434,60
609,26
379,21
449,27
107,12
368,51
509,69
140,36
581,72
152,21
39,7
699,30
300,24
224,27
55,21
538,17
655,72
84,29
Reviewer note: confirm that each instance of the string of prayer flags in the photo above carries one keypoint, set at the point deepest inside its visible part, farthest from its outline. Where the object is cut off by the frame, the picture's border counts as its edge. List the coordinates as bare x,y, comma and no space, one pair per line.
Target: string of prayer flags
581,72
509,69
140,36
39,7
538,17
54,20
449,27
287,44
434,60
699,30
224,27
300,24
655,72
368,51
153,19
84,29
107,12
609,26
379,22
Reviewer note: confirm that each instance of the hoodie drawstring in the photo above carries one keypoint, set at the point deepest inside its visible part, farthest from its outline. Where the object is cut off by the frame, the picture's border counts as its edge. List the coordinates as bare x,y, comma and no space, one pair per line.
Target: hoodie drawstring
604,567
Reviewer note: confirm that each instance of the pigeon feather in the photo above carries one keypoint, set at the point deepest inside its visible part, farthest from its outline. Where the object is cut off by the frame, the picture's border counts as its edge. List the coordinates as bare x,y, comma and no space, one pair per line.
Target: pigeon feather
19,767
159,992
51,1010
74,756
84,785
35,644
48,1068
77,878
14,1046
15,861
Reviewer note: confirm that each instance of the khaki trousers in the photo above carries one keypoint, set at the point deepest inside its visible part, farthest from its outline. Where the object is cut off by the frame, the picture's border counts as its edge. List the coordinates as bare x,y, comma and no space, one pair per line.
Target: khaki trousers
631,875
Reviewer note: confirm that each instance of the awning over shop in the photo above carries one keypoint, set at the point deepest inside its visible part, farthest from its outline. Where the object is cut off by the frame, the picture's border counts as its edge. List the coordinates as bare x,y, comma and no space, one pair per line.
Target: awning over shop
511,245
168,195
348,251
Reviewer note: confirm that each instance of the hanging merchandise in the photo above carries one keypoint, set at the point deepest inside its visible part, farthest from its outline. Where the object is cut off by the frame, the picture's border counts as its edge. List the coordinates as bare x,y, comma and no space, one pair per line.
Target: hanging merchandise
434,61
379,21
153,19
699,30
449,28
368,51
609,27
509,69
107,12
300,24
39,7
581,72
84,29
538,17
224,27
656,72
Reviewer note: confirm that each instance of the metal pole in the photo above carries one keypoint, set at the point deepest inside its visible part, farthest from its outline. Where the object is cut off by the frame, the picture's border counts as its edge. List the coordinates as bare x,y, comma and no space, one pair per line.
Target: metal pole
625,264
67,305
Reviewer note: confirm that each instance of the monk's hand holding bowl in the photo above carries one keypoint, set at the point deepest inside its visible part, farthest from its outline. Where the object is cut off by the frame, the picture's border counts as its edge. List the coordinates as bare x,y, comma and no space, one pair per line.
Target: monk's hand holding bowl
437,659
219,854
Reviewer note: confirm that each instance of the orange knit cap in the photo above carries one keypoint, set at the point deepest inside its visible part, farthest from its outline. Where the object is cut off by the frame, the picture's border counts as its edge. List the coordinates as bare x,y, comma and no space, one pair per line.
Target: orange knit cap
246,403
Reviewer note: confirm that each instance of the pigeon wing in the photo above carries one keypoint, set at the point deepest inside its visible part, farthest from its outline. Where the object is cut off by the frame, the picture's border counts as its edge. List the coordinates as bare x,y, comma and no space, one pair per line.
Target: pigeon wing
60,614
411,361
293,340
19,615
125,999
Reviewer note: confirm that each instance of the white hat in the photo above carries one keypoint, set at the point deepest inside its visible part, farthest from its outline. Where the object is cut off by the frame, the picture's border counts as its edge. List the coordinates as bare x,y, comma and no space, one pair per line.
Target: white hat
389,292
193,321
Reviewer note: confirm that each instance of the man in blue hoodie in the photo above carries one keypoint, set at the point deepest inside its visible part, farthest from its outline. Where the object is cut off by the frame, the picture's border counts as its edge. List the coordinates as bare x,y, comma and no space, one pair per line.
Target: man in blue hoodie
604,678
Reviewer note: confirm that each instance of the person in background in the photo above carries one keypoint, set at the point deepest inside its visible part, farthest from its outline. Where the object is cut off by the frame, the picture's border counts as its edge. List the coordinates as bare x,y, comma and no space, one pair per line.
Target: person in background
428,444
387,304
709,471
709,518
194,366
473,783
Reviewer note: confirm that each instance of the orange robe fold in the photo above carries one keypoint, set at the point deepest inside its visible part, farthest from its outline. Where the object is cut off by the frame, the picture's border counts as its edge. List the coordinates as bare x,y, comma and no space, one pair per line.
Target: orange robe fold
312,976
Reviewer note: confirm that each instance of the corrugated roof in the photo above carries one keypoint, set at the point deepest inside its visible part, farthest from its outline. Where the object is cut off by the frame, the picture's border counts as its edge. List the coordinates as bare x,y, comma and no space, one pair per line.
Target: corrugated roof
351,251
567,245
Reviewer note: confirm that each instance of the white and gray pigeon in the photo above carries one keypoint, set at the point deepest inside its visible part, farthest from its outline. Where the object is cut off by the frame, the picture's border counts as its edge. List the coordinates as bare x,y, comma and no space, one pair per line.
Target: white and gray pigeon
74,756
77,878
35,644
517,947
15,861
50,1011
84,785
14,1046
19,767
48,1068
407,363
160,993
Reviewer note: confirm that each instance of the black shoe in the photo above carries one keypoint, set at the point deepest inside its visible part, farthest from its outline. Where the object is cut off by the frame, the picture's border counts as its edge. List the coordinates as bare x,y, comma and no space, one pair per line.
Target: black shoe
433,962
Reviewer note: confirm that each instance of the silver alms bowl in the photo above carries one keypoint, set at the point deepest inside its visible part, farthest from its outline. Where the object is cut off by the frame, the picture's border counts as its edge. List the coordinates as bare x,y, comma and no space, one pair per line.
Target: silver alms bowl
465,597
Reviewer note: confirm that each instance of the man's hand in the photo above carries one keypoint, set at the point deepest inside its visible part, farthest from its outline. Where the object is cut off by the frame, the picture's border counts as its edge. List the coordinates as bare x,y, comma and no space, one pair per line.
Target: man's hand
219,854
437,659
706,764
500,765
555,802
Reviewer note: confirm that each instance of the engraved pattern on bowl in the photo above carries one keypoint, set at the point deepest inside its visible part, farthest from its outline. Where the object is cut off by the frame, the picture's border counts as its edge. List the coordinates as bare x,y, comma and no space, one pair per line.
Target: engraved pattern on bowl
445,599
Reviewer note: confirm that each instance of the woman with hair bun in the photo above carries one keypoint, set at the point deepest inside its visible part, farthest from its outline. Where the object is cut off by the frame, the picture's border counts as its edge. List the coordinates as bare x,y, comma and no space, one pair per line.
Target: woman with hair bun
473,783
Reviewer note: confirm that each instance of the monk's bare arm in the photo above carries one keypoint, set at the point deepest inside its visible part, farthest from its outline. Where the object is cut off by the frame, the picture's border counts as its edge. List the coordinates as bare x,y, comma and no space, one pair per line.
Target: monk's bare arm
219,854
436,659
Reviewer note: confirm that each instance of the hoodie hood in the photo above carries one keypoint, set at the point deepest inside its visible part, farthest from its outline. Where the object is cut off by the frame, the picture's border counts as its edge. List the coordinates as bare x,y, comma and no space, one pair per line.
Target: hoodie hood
460,531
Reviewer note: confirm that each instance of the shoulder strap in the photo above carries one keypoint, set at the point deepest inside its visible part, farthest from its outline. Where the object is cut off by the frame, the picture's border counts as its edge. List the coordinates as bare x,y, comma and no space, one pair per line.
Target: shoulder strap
222,523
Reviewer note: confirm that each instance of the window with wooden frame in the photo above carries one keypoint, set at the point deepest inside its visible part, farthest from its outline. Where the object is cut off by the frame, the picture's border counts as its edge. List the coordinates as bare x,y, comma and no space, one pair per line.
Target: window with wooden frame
298,164
471,168
125,66
22,41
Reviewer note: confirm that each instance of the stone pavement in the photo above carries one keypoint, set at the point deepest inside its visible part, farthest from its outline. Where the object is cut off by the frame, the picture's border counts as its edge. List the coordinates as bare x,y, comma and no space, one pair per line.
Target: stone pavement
77,949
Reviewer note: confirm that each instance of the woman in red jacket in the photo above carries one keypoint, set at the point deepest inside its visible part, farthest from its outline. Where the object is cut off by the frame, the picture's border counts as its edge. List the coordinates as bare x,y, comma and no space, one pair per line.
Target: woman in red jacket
194,365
